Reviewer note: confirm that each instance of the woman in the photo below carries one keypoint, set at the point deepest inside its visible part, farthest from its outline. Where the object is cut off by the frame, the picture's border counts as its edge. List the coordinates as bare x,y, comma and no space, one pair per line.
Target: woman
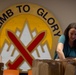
66,47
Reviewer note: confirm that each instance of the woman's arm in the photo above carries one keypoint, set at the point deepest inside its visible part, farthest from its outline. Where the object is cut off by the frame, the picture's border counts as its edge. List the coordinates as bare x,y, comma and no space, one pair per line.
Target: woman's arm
59,50
0,58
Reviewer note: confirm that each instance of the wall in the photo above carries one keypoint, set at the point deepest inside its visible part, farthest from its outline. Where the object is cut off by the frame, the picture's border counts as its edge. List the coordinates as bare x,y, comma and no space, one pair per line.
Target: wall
63,10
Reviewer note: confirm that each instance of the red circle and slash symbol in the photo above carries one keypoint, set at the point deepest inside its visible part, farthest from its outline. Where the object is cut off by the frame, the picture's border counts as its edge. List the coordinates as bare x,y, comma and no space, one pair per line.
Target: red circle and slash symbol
25,52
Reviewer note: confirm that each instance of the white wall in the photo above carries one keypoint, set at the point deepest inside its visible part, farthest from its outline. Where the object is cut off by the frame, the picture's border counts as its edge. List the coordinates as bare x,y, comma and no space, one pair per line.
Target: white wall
63,10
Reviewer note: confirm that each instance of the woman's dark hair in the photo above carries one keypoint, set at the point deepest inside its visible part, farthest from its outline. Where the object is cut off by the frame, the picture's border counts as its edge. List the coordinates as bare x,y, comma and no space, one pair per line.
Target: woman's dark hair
72,25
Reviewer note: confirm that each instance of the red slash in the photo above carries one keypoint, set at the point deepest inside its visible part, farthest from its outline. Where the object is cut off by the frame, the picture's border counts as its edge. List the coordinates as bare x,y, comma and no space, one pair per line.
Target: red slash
25,52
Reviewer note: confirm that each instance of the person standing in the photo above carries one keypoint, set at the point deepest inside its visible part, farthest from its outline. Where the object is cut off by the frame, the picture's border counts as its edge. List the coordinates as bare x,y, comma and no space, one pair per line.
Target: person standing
66,47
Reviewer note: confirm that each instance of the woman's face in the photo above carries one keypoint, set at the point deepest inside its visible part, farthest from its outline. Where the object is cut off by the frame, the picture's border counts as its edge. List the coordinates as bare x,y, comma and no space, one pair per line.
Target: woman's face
72,34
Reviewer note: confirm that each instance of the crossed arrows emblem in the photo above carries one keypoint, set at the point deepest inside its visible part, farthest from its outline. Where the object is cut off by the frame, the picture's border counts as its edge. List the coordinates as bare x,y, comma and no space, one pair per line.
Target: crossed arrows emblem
25,53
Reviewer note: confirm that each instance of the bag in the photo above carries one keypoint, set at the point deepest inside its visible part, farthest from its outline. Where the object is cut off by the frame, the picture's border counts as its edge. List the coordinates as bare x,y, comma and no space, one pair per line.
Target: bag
47,67
1,68
35,65
56,68
70,67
